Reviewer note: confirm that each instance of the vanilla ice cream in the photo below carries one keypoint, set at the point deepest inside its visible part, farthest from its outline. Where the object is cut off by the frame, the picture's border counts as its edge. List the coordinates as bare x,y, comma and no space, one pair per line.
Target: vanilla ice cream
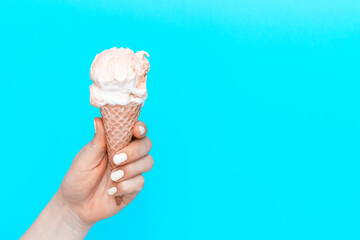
119,77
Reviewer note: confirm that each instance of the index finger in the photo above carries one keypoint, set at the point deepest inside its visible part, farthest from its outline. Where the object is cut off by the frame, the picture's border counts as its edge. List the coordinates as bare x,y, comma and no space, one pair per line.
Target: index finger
140,130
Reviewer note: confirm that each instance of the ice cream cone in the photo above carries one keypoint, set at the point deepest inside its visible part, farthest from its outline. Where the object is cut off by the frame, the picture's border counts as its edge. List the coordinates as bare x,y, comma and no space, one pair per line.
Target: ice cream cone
119,90
118,122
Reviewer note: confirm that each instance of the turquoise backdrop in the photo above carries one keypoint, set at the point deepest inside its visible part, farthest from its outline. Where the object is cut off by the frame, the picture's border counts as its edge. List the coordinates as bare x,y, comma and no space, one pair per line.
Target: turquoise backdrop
253,111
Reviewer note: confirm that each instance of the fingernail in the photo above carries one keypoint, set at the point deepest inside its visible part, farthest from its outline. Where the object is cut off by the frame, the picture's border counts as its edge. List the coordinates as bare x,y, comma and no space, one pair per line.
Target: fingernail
112,191
95,125
117,175
121,157
142,130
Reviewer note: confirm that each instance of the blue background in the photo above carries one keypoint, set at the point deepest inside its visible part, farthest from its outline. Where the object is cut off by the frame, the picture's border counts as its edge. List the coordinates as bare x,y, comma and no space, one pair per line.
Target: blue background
253,111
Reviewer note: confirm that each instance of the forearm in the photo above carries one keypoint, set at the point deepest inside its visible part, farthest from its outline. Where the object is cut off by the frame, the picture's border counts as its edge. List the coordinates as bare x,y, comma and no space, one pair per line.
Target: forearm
57,221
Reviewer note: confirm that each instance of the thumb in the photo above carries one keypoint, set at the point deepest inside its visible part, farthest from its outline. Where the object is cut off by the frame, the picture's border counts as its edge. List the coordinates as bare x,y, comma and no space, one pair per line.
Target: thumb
97,146
98,143
93,153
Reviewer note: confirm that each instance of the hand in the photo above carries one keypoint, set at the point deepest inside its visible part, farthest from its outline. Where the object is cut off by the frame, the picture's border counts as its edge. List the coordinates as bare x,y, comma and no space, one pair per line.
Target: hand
89,188
87,193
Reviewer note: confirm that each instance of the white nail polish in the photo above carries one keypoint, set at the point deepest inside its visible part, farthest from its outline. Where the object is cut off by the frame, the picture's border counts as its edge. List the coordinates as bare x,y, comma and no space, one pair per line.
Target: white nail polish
95,125
112,191
121,157
142,130
117,175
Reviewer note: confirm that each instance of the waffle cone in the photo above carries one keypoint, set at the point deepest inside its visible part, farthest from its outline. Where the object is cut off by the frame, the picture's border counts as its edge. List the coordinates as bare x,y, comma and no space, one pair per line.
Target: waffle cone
118,122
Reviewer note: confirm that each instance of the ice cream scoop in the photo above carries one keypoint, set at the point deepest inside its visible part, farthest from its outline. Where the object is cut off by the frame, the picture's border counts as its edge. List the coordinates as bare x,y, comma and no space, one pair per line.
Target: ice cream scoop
119,77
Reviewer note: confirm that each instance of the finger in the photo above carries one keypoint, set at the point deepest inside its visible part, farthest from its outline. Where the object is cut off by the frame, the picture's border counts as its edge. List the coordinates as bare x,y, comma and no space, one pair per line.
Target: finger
137,149
132,169
98,144
131,185
140,130
95,150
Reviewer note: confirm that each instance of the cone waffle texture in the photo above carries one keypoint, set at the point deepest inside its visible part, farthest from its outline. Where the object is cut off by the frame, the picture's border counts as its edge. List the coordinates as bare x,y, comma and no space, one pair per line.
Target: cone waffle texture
118,122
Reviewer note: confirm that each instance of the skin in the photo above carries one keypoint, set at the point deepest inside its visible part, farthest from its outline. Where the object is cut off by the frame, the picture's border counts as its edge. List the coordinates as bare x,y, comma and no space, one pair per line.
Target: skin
83,199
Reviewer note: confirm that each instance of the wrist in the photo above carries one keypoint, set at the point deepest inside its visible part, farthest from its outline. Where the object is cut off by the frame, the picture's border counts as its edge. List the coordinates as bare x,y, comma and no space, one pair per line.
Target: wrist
57,221
69,218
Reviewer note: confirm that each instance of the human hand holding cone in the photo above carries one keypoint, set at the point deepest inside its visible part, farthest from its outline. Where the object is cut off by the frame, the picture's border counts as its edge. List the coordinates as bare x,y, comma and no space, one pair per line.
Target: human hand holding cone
119,90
